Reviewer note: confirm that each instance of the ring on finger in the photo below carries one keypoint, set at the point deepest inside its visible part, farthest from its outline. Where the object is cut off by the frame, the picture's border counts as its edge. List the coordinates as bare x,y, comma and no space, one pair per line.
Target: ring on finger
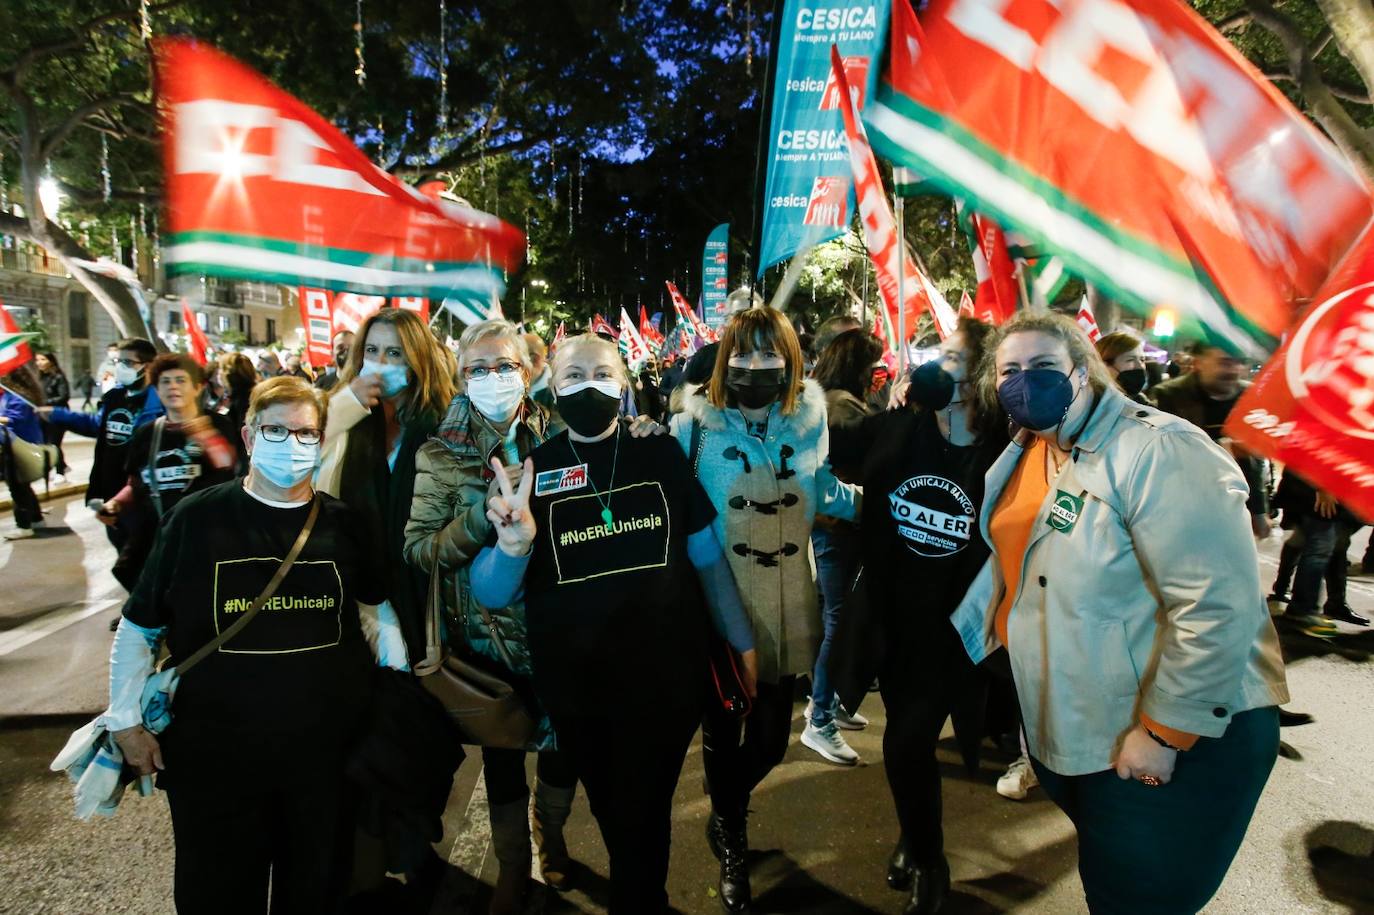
1151,780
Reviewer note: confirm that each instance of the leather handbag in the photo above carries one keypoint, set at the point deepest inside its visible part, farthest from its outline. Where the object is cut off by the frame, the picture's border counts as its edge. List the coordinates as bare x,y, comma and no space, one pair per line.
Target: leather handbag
486,707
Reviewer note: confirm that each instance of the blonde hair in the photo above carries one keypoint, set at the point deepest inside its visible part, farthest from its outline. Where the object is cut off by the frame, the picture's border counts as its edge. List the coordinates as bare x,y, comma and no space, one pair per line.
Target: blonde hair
433,385
754,329
1066,330
501,330
285,389
572,344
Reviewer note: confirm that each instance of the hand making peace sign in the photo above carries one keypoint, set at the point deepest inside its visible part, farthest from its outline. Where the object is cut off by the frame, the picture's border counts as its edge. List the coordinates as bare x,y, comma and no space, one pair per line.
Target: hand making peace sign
509,512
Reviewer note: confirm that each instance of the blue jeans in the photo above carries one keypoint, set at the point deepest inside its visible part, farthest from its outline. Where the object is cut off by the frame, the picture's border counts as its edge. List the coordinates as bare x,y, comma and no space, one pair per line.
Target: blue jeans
837,562
1321,539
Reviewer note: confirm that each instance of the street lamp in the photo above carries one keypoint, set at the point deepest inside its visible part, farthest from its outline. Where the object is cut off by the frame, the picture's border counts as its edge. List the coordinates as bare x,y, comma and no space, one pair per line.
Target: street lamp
49,197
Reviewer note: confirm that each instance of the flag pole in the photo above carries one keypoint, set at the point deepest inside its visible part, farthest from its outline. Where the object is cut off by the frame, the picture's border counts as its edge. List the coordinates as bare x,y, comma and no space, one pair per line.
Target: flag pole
900,212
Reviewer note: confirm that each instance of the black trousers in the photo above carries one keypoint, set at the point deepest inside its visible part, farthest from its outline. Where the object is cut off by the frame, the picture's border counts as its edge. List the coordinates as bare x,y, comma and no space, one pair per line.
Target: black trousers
504,771
629,773
926,670
736,762
26,508
238,827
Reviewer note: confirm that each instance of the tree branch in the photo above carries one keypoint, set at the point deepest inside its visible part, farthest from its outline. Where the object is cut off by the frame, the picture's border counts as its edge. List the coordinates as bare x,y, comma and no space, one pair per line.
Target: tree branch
1232,23
91,196
1325,107
1338,90
470,153
58,135
77,38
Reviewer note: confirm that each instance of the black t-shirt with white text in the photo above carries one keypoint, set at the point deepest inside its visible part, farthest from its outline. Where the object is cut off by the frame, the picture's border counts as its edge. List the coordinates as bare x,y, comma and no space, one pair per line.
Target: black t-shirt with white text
300,669
182,464
615,613
120,408
920,527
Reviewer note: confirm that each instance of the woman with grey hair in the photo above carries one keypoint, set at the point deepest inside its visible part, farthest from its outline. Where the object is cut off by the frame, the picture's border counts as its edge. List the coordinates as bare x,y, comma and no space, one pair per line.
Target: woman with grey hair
492,417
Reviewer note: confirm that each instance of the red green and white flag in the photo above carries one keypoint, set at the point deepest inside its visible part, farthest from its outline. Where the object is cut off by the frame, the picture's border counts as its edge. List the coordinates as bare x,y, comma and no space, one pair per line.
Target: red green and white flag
648,331
880,229
688,316
965,305
196,340
1130,139
261,187
14,351
632,345
351,310
1088,321
559,336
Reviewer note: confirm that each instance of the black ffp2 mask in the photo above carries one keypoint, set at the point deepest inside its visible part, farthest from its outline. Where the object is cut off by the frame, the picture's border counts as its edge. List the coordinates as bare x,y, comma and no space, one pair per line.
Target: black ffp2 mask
755,388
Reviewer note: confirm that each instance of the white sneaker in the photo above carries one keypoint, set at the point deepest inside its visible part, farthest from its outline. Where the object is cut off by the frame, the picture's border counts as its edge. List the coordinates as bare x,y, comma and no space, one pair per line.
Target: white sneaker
854,722
1018,780
23,533
829,742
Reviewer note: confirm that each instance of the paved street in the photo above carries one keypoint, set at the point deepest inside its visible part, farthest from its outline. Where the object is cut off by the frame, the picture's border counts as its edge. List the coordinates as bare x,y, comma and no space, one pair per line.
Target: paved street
821,834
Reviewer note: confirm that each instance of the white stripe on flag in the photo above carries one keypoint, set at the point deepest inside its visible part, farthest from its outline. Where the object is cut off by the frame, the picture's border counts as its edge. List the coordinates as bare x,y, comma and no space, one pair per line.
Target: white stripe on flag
244,257
1149,280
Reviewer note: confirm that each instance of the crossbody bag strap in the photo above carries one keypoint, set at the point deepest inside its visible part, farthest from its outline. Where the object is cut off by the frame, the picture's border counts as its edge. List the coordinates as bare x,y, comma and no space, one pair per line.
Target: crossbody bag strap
694,449
496,637
153,447
434,643
262,598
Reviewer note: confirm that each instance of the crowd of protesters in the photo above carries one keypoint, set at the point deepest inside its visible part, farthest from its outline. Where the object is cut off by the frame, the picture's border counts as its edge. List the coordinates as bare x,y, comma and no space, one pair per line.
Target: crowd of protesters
598,540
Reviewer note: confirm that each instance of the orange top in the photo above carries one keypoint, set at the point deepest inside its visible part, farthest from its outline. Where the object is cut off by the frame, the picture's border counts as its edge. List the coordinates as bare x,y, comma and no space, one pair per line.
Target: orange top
1012,521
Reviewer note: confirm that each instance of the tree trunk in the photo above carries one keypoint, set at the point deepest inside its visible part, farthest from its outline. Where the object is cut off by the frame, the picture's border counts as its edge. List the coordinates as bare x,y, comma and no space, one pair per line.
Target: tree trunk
113,295
1352,24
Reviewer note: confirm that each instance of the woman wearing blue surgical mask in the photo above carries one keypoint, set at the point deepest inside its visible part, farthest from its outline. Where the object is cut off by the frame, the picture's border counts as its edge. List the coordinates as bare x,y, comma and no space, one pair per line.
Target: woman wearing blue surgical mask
1124,584
492,417
254,756
394,388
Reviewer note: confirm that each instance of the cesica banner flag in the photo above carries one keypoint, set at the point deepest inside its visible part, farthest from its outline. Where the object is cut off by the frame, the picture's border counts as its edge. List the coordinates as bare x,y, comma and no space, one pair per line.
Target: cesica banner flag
808,198
1312,408
1132,140
715,275
259,186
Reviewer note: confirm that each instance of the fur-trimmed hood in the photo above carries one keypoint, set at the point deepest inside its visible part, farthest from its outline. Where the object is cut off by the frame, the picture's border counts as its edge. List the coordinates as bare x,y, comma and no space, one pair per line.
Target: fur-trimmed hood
810,411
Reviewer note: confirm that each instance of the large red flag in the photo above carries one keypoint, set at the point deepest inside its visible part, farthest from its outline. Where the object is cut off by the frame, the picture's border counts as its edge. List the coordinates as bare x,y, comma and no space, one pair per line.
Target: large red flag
887,251
1133,141
317,317
260,186
195,337
688,316
1312,408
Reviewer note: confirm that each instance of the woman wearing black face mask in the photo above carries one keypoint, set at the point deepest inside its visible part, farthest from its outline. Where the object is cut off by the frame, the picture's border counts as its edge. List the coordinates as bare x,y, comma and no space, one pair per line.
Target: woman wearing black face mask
611,538
1124,583
922,466
1124,355
759,444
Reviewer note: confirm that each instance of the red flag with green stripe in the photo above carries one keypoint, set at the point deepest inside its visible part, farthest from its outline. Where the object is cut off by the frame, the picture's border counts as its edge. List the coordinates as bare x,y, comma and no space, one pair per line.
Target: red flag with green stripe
1130,139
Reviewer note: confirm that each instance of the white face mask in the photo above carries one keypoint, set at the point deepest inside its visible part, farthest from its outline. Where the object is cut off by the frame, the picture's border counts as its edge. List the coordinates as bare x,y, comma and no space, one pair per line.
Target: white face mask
605,386
126,375
394,377
497,396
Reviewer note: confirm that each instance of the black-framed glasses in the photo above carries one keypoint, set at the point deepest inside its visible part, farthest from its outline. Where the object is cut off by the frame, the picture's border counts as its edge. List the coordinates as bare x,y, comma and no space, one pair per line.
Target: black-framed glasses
130,363
504,369
275,433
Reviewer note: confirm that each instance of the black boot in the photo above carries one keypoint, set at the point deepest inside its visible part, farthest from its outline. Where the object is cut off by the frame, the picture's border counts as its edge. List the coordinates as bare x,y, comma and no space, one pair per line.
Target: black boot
929,889
900,866
729,841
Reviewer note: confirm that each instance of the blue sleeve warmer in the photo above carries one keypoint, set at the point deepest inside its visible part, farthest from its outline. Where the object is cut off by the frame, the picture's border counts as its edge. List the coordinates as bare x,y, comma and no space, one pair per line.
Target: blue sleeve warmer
131,664
722,596
497,577
87,424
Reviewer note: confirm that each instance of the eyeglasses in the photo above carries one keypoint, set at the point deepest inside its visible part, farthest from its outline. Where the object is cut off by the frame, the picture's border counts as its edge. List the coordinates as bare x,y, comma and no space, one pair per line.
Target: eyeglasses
129,363
504,369
274,433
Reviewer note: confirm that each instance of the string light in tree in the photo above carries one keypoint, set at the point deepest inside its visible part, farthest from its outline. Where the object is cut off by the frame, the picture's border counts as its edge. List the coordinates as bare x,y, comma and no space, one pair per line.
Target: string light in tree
4,188
133,241
443,67
114,243
105,168
145,21
359,71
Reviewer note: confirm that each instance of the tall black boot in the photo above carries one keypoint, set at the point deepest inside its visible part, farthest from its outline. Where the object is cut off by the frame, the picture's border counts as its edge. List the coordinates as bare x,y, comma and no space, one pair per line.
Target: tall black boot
729,841
901,866
929,888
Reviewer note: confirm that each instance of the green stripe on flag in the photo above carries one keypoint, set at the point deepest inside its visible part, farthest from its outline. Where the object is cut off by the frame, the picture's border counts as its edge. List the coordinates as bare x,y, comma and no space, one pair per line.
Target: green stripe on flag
1141,274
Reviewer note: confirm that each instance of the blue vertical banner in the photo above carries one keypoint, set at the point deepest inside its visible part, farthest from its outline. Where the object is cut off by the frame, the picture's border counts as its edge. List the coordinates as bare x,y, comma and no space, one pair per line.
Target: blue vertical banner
809,191
715,275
